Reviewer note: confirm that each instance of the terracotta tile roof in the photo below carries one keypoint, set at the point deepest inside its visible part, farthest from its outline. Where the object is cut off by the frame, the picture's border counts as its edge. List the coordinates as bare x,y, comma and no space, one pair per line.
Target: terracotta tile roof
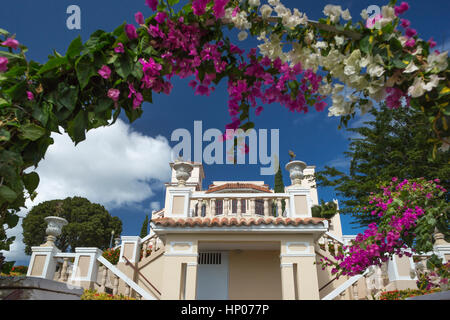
218,221
237,185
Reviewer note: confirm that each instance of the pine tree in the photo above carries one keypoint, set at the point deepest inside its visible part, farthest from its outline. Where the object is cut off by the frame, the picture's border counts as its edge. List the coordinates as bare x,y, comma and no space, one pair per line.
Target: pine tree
144,230
394,144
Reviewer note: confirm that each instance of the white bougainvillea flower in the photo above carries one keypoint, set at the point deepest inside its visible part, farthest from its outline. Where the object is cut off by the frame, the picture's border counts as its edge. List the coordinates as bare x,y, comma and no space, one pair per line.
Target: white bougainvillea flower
411,68
242,35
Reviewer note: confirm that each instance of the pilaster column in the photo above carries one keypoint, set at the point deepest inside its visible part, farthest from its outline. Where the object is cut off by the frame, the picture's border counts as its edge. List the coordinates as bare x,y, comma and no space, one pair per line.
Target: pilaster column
191,281
287,280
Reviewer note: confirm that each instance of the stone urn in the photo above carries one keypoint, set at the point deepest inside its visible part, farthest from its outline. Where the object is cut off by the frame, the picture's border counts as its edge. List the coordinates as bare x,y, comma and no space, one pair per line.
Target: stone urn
54,228
183,172
295,169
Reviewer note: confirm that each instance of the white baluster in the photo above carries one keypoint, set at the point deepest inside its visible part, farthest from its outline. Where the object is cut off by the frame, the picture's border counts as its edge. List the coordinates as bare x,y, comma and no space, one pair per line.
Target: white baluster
116,285
64,275
266,207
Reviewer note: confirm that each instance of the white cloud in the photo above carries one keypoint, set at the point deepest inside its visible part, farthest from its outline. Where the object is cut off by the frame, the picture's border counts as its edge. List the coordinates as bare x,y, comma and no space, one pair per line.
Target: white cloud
155,205
115,166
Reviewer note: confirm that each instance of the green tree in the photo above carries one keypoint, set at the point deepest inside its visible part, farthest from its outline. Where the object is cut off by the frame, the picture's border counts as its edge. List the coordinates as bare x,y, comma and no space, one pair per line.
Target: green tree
279,186
393,144
144,230
90,224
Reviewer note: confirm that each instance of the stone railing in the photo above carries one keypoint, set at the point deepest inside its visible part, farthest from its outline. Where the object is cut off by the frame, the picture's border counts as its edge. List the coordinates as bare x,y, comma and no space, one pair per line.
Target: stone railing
150,245
240,205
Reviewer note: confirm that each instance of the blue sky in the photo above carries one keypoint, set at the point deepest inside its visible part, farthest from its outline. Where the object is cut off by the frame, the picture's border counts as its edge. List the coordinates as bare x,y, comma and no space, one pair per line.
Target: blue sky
315,138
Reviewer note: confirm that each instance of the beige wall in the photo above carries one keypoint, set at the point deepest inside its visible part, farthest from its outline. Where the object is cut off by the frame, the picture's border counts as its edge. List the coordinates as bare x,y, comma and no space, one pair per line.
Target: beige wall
178,205
254,275
153,272
38,265
301,205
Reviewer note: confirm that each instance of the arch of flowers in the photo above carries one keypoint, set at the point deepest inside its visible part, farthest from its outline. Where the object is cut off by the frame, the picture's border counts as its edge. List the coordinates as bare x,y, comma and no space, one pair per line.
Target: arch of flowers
300,63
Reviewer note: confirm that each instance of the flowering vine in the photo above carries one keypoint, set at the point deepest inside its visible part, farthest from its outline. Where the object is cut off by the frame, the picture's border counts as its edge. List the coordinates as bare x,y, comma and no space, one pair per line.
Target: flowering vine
410,211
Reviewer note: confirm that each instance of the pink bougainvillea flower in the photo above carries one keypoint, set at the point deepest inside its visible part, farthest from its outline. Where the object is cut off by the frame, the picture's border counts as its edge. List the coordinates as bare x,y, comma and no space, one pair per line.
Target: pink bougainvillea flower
405,23
199,6
161,17
139,17
410,32
219,8
138,99
402,8
3,64
12,43
320,106
30,95
259,110
119,48
114,94
432,43
130,30
152,4
370,23
410,43
105,72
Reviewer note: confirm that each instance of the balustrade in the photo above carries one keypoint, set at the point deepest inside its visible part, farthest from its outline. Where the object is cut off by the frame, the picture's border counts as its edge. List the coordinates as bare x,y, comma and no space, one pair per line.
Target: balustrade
240,207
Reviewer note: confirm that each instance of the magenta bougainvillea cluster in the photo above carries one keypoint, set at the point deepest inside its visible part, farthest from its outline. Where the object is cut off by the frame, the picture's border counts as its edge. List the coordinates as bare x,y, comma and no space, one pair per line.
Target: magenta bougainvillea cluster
185,47
409,211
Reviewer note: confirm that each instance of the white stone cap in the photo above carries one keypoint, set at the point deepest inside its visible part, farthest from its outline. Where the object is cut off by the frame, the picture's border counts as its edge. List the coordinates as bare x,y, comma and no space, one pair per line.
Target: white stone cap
45,249
131,239
89,250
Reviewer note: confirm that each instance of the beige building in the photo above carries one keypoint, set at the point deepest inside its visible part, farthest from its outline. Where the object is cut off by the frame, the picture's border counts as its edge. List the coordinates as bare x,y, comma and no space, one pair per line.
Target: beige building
232,240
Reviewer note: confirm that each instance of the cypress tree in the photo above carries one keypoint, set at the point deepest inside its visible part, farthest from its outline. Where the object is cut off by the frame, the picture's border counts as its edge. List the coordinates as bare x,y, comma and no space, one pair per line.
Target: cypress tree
144,230
279,185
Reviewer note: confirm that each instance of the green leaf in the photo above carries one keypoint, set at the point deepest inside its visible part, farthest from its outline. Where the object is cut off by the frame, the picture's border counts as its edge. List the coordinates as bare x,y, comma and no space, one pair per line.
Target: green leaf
68,97
77,127
31,181
85,70
103,105
4,135
12,220
32,131
366,44
74,48
123,66
41,113
173,2
52,64
6,194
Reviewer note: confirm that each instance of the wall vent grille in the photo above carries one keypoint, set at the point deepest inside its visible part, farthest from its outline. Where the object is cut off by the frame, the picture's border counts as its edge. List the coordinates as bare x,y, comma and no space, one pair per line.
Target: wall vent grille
210,258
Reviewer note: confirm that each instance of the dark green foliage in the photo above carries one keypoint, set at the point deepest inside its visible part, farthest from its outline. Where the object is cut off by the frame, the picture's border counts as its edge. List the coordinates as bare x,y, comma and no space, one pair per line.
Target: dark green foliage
325,210
144,230
394,144
279,185
90,224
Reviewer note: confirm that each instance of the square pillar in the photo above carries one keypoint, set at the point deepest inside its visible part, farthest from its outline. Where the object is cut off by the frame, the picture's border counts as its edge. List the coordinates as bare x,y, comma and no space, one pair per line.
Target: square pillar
300,202
85,267
180,271
298,271
130,248
42,262
178,202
